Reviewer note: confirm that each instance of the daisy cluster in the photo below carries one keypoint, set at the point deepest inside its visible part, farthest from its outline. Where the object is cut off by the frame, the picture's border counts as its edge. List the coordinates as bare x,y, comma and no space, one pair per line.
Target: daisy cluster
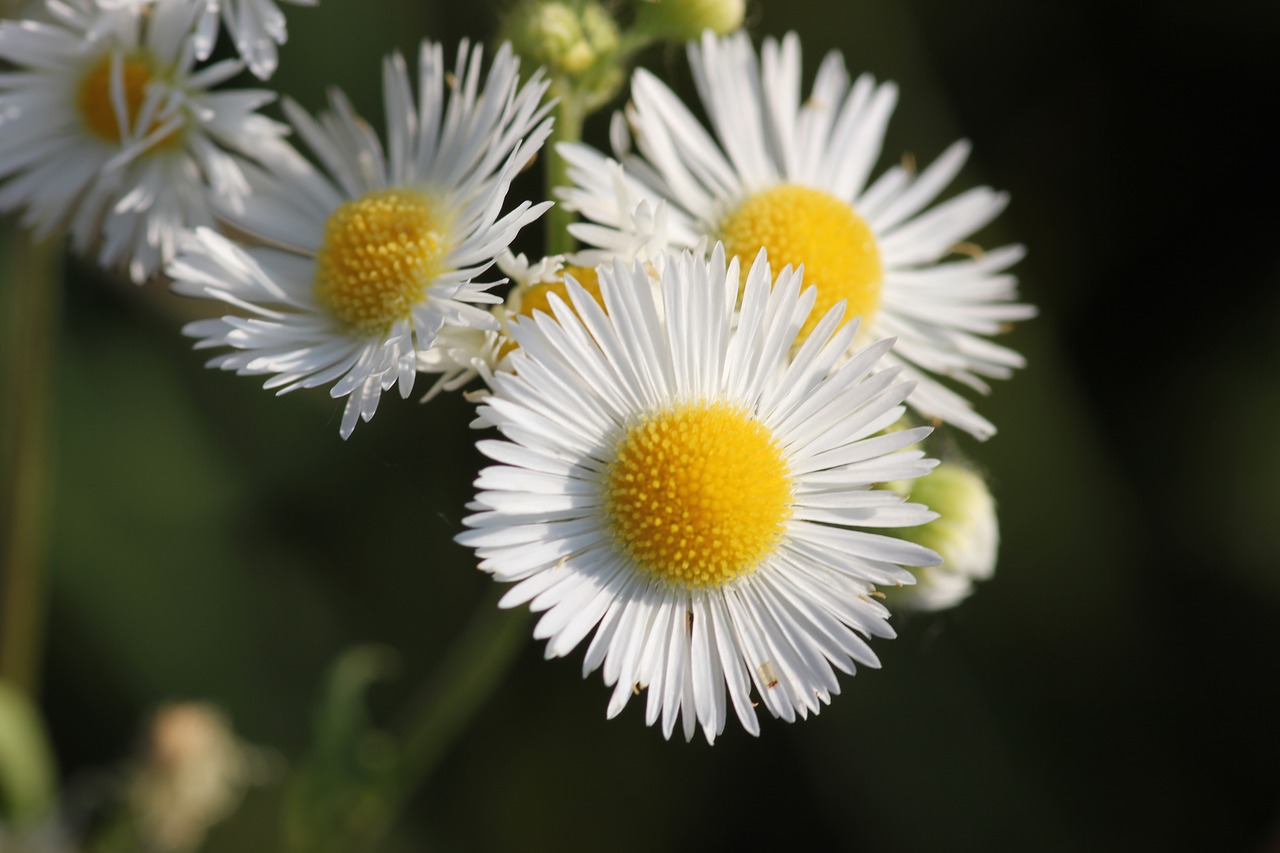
712,414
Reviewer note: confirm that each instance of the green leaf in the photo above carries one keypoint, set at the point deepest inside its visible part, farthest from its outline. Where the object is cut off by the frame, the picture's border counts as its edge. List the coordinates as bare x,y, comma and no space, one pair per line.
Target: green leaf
344,783
27,787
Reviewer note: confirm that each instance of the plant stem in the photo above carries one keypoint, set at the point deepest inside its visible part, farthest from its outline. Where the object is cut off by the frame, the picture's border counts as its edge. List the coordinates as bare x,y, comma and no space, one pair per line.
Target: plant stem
33,304
569,115
443,706
464,680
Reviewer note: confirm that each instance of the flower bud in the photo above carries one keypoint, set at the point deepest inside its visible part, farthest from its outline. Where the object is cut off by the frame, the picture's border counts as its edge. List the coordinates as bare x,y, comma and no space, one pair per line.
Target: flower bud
966,536
683,20
567,36
193,775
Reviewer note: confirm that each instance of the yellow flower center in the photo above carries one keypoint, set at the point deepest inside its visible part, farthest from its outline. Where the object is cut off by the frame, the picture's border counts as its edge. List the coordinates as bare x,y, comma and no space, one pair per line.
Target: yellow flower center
380,254
93,98
698,494
538,298
799,225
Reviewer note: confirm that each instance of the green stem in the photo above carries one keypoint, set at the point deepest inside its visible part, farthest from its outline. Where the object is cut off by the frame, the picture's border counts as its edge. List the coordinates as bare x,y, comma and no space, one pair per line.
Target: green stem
443,706
465,679
569,115
632,42
33,304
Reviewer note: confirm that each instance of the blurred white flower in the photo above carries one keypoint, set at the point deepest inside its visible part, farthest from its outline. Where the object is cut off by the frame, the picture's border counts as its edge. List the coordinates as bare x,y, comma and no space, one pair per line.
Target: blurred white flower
112,133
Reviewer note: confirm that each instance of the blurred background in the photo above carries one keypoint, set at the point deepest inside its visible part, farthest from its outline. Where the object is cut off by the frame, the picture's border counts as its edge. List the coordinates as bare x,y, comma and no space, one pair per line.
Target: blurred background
1113,688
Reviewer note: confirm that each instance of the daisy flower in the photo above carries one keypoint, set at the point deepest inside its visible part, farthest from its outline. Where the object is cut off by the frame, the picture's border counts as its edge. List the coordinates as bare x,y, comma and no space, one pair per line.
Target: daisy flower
791,176
112,134
352,272
686,481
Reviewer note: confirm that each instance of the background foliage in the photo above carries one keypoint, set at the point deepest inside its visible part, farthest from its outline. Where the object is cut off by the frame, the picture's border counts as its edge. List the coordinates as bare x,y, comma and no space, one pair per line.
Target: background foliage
1111,689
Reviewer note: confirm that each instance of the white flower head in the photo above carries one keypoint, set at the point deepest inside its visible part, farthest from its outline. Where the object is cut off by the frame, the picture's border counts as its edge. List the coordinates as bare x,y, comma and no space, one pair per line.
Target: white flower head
522,272
639,231
111,133
682,479
357,269
792,176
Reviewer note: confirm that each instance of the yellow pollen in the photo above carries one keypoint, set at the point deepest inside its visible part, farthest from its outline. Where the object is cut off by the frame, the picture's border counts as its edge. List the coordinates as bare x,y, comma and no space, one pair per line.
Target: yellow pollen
538,297
380,253
698,495
800,225
94,97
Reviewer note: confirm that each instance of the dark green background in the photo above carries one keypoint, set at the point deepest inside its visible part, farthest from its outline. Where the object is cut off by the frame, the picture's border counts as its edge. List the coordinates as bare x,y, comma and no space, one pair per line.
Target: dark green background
1112,689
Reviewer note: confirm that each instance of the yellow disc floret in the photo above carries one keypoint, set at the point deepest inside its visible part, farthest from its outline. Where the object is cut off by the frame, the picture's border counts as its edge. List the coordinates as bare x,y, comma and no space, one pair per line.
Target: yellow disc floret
537,297
93,98
699,494
380,253
800,225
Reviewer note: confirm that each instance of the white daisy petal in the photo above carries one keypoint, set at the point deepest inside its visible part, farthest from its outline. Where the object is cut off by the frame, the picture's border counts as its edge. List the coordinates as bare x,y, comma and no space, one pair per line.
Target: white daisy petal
256,28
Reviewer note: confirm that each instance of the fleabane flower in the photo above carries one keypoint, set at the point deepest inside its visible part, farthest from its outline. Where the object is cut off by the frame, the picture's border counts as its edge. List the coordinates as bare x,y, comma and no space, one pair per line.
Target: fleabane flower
791,176
684,480
111,132
354,271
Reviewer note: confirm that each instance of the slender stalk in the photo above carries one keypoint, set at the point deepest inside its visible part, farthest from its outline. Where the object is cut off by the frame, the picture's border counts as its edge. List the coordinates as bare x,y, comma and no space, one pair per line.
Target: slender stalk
443,706
463,682
30,278
569,115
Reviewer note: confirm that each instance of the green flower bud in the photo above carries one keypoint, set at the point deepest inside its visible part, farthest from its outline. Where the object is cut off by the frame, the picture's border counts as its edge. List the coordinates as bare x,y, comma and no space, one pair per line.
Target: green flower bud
966,536
567,36
682,20
599,28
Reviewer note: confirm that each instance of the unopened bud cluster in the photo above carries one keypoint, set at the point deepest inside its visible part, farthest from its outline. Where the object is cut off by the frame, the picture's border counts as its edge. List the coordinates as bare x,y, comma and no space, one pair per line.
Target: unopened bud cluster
566,36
